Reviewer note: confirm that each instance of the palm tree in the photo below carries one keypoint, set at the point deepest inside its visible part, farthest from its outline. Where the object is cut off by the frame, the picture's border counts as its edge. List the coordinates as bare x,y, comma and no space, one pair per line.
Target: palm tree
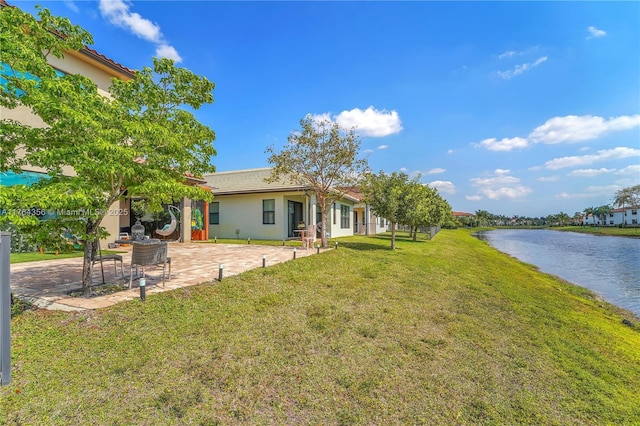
602,213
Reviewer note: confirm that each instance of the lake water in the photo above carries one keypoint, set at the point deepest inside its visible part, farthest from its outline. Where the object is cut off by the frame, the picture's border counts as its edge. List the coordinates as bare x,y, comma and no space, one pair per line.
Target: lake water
609,266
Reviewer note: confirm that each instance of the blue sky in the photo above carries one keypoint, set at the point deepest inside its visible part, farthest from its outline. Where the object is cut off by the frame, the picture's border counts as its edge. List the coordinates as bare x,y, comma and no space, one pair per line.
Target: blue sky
515,108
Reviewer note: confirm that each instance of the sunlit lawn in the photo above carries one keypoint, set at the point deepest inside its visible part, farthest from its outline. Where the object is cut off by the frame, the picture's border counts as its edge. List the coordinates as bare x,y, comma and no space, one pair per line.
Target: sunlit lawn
447,331
603,230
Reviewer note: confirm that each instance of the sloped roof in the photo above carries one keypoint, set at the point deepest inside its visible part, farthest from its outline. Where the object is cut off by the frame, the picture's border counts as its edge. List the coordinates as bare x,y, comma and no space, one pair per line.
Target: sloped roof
247,181
251,181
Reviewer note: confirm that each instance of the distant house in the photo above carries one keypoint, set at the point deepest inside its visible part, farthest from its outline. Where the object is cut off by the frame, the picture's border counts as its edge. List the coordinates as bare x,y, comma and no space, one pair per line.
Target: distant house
246,206
627,216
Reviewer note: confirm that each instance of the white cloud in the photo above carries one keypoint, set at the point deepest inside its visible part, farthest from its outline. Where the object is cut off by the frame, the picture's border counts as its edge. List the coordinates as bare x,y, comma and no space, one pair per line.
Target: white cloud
500,186
451,151
166,51
370,122
368,151
71,5
629,170
572,128
473,197
591,191
590,172
507,54
548,179
117,12
595,32
435,171
502,171
404,169
493,181
382,147
513,192
444,186
505,144
521,69
319,118
583,160
567,129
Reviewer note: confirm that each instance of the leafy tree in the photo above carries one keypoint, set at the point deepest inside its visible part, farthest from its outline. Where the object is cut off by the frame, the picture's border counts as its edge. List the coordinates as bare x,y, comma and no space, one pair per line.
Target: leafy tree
386,194
627,197
324,157
140,141
422,206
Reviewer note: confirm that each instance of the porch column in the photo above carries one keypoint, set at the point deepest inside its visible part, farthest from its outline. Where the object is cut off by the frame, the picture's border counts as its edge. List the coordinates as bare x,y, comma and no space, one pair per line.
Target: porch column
366,219
186,220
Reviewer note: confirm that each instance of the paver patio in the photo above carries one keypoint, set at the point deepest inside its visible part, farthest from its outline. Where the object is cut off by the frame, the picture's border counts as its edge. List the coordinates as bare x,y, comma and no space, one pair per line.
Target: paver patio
47,284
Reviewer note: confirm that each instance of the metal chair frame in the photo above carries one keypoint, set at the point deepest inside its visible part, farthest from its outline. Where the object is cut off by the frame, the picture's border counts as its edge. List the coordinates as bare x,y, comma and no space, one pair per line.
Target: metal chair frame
150,253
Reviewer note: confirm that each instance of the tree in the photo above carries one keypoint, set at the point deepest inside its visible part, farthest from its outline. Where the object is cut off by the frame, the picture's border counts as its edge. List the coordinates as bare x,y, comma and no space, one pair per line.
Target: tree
322,156
484,217
386,195
602,212
422,206
140,141
627,197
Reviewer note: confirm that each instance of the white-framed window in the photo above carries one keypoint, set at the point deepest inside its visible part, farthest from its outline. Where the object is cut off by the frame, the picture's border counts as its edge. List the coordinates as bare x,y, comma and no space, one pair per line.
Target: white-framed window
269,212
345,217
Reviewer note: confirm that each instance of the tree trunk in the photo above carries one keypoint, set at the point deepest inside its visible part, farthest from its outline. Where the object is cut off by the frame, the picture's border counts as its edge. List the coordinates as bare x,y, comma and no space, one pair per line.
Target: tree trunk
393,235
90,250
323,221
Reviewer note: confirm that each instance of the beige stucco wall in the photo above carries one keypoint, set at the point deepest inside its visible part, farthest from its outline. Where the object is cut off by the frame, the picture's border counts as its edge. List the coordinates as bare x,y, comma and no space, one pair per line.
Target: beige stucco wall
335,230
244,212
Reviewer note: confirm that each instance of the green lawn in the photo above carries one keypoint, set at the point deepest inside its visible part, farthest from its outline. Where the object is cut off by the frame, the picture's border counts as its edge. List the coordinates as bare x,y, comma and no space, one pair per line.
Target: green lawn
602,230
35,257
447,331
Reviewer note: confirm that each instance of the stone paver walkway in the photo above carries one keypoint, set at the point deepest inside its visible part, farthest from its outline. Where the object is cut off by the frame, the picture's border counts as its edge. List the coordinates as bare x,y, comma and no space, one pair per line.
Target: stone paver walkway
47,284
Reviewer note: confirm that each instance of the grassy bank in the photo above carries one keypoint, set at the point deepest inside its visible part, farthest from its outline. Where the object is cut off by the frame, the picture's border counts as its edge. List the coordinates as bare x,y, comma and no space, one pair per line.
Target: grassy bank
447,331
602,230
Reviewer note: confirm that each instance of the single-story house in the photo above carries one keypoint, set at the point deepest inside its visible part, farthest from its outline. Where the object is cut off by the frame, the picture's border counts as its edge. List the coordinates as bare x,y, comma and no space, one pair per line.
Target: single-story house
246,206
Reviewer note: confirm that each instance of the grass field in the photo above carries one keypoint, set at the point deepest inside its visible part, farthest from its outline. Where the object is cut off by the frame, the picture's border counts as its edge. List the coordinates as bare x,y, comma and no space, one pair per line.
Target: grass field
36,256
447,331
602,230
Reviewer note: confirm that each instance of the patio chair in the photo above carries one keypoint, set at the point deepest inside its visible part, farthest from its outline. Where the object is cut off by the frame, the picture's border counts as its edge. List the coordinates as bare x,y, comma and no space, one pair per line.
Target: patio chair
149,253
309,237
100,258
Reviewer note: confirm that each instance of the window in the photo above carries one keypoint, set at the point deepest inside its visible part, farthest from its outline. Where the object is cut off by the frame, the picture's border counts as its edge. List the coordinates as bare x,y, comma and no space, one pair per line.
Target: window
381,221
269,212
345,215
634,221
634,211
214,213
334,213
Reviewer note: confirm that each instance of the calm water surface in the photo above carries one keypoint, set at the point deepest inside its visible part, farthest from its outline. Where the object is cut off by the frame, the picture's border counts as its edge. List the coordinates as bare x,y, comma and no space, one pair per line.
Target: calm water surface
609,266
